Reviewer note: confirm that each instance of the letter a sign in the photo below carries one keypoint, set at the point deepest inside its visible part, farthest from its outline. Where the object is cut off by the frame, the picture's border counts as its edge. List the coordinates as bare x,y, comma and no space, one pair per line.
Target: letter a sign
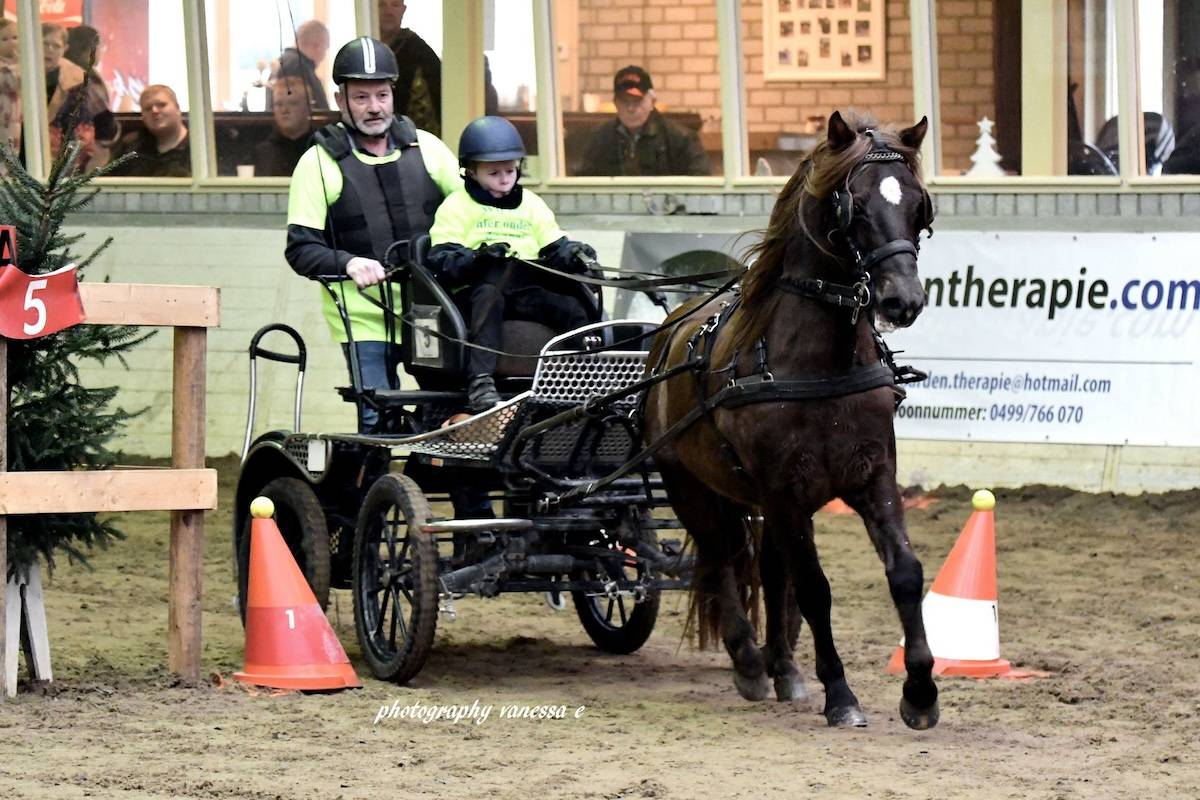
8,246
35,305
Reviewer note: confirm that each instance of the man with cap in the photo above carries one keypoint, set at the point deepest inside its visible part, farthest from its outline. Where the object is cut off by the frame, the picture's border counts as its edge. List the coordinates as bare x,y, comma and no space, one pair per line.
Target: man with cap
641,141
368,181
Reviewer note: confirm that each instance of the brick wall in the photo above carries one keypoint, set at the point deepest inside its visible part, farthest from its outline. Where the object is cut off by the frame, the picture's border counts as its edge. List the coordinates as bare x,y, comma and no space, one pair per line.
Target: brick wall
782,107
676,41
967,87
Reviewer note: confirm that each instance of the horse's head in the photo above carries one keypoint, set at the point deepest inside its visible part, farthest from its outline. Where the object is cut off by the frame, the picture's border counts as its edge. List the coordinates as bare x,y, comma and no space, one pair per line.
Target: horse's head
875,213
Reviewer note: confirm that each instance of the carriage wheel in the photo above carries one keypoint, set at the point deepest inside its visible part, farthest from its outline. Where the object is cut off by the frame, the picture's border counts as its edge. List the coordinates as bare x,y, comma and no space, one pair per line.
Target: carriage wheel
301,523
619,624
395,579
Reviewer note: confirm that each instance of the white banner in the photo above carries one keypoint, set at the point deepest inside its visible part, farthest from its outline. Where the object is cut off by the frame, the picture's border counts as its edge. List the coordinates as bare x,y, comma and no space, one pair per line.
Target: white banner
1087,338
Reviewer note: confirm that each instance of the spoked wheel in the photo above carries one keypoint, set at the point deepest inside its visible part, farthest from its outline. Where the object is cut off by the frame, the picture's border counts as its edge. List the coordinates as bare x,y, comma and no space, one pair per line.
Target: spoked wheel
301,523
619,624
395,579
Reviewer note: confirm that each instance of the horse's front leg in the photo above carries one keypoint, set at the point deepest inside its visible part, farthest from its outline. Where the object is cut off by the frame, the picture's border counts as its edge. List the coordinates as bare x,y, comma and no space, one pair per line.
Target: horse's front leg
792,530
783,621
882,510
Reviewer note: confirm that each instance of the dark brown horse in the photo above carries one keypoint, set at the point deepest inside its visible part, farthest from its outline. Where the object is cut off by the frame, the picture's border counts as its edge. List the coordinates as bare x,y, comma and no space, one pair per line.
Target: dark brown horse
792,406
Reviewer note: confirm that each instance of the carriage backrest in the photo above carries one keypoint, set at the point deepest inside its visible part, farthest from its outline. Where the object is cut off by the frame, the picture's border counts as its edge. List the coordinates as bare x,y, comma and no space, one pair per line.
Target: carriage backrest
567,377
439,363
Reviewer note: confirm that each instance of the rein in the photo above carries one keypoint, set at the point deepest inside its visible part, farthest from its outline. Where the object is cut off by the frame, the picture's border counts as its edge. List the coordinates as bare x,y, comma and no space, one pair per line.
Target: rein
390,314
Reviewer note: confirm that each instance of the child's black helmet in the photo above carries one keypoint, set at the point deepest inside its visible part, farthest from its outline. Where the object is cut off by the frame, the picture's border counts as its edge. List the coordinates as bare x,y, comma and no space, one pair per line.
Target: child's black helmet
490,139
365,59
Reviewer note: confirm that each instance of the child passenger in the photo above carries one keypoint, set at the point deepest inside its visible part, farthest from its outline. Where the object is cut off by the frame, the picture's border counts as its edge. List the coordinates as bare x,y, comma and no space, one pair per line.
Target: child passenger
477,228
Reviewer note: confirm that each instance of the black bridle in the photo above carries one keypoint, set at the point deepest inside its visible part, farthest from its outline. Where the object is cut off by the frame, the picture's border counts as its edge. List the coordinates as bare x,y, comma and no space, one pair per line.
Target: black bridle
857,296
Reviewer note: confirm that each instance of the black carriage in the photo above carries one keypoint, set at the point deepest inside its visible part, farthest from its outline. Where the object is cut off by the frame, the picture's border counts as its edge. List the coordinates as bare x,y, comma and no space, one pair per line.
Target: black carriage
357,510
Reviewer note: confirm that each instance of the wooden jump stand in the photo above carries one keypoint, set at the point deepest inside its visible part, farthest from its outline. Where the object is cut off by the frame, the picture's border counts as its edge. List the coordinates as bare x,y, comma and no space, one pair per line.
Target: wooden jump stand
187,490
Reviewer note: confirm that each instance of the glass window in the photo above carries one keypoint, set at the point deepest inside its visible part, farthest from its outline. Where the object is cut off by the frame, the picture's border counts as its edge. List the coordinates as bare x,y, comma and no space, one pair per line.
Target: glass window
10,87
1169,75
640,87
134,98
510,85
973,49
97,61
805,58
1091,88
269,76
414,32
980,45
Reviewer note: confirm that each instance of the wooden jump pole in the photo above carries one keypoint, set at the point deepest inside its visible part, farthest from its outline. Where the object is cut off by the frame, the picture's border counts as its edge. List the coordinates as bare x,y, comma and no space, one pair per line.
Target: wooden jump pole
186,574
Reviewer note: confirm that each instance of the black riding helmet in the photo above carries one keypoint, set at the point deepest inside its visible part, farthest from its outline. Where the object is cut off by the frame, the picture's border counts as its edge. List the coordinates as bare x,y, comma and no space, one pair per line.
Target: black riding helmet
365,59
490,139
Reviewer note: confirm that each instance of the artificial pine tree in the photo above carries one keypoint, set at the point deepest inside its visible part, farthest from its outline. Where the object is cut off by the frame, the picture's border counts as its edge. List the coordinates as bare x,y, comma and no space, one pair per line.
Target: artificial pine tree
54,422
985,159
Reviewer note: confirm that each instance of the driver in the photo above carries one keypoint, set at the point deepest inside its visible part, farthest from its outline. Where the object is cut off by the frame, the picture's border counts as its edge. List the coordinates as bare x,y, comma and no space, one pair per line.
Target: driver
368,181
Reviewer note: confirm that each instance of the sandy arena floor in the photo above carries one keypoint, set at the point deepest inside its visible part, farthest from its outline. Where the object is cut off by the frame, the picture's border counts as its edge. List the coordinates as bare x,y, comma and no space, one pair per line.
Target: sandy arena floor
1100,591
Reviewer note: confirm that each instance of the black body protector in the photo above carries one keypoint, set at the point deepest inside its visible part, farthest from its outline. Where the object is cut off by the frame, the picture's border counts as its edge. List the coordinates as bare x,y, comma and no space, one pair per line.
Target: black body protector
380,203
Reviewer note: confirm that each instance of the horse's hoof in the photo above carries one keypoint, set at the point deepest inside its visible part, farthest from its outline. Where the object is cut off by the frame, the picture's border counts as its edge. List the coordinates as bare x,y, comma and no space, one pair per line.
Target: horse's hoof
846,717
752,688
791,688
917,718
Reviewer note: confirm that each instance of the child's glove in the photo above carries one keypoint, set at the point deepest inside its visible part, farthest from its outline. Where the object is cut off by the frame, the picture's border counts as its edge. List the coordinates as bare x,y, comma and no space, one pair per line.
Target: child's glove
493,250
568,255
452,264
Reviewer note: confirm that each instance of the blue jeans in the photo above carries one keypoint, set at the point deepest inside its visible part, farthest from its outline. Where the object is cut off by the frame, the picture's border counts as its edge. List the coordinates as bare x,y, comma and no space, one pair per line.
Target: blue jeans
378,364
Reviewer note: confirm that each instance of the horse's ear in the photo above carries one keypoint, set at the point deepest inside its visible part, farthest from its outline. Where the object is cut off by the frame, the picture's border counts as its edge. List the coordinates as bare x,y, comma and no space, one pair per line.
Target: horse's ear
840,134
912,137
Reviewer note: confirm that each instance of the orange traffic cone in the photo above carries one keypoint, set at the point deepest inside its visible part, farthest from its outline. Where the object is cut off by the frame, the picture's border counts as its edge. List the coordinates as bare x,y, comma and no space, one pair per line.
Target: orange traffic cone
961,621
289,643
837,506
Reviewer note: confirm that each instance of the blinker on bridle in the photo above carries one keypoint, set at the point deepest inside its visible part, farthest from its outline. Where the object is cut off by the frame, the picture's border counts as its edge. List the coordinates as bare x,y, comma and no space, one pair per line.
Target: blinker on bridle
858,295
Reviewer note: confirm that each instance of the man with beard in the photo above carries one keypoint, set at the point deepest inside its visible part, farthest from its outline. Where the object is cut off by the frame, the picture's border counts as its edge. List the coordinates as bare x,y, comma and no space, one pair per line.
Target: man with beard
368,181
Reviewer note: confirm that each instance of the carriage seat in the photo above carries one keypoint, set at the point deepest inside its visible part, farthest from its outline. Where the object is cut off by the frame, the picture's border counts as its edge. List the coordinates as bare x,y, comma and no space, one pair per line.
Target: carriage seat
440,364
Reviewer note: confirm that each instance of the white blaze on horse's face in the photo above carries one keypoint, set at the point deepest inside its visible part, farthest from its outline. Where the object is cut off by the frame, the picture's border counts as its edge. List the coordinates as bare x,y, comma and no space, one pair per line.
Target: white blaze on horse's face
889,187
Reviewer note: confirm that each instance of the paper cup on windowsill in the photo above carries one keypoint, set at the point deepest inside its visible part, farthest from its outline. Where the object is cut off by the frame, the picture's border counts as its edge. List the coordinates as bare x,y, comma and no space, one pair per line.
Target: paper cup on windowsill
245,170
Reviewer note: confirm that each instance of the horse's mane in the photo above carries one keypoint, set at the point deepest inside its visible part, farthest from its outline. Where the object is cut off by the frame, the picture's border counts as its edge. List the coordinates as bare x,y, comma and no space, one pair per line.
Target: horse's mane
817,175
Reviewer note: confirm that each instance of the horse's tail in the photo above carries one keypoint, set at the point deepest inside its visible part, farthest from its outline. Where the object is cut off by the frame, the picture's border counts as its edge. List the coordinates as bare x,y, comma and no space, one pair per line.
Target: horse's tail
742,552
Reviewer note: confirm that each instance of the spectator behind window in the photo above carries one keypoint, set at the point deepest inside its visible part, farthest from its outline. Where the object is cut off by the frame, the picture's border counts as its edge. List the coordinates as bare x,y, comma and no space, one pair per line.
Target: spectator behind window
10,87
641,141
301,61
162,147
292,133
96,126
418,93
76,97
